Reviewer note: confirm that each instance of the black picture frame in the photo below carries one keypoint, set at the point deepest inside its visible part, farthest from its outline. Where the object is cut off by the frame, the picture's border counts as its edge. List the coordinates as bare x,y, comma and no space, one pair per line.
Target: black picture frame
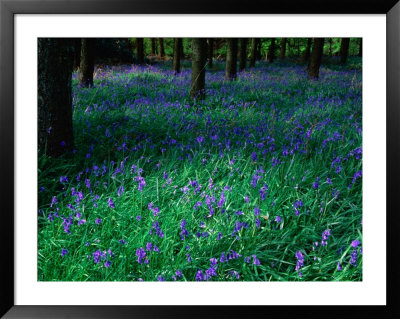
9,8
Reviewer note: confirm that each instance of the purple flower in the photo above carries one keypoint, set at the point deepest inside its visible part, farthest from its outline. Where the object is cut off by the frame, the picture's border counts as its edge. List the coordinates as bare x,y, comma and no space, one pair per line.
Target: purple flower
356,175
67,222
223,258
87,183
138,217
221,201
235,274
199,275
121,190
107,264
300,260
256,261
263,191
254,156
200,139
256,211
98,221
64,251
353,260
110,203
142,182
149,246
296,205
278,219
141,254
53,201
325,236
63,179
355,243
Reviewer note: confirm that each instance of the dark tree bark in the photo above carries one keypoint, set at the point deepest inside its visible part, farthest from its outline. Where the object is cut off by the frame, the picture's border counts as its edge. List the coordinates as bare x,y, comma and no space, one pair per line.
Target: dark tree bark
231,58
306,53
77,53
243,54
55,61
153,46
316,57
210,54
177,55
139,51
360,49
258,50
181,52
283,49
86,68
197,86
271,51
162,52
253,52
344,50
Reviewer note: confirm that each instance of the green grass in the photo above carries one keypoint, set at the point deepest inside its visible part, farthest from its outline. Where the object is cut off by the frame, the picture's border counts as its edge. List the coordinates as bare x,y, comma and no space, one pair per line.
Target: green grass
144,109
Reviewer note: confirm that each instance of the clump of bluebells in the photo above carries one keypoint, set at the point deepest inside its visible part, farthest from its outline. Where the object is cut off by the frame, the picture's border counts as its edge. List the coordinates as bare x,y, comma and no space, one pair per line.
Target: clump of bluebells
162,188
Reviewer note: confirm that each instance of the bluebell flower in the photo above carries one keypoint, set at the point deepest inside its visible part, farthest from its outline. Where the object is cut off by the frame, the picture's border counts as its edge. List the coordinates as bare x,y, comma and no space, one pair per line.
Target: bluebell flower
355,243
110,203
199,275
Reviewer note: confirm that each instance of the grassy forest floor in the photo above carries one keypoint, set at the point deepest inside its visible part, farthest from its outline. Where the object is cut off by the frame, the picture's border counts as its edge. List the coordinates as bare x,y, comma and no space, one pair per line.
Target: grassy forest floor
261,181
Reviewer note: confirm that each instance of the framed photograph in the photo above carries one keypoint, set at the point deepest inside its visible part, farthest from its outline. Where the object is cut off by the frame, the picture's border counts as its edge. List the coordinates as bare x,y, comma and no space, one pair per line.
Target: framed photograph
166,159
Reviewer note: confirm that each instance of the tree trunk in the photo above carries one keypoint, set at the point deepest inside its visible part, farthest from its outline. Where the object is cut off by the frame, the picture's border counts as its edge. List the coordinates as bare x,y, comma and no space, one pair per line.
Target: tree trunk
55,59
258,50
139,51
153,46
330,47
210,52
344,50
316,57
77,53
283,49
360,49
253,52
86,68
162,52
181,53
197,86
306,53
231,58
271,51
177,54
243,54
